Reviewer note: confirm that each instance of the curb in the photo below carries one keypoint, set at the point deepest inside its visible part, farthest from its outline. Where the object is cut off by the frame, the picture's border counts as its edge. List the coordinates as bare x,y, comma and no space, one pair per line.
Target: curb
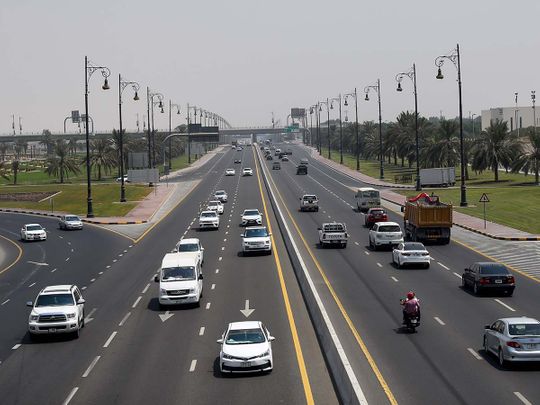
46,214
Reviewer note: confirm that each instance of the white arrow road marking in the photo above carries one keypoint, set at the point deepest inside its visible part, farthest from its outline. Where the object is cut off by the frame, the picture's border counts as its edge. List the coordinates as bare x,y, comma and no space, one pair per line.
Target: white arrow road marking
89,318
165,316
247,311
37,263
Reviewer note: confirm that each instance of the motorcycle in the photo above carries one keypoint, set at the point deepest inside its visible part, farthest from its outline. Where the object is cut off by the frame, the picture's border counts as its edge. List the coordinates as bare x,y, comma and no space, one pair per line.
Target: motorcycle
411,322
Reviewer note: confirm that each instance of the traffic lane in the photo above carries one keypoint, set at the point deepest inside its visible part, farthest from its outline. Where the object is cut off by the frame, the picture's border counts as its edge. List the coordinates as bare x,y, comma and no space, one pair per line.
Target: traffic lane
9,252
222,306
107,295
415,283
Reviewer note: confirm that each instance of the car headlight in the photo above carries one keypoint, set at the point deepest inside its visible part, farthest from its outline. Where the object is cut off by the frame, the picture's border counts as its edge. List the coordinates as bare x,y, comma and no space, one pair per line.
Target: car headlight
228,356
70,316
266,353
34,317
162,291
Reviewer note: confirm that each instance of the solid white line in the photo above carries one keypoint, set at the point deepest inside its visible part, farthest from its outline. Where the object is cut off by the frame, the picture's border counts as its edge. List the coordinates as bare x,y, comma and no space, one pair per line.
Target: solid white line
136,302
208,305
70,396
439,320
5,302
31,285
201,331
16,346
146,288
378,264
457,275
109,340
91,366
443,266
474,353
124,319
193,365
505,305
522,398
395,279
213,287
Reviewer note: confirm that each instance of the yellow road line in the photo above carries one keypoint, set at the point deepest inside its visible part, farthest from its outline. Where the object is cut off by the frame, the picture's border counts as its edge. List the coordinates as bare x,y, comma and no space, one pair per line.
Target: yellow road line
18,257
290,316
359,340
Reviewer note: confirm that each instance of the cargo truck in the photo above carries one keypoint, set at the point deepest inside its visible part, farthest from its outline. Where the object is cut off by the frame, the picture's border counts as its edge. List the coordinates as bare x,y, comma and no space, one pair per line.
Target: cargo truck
427,219
438,176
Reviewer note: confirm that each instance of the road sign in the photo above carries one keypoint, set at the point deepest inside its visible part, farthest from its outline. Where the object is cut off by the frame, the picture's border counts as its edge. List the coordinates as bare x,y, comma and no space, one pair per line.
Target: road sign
484,198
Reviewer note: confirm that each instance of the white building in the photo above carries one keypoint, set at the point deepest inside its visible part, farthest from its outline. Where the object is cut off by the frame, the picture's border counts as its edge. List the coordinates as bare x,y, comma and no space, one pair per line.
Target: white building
524,116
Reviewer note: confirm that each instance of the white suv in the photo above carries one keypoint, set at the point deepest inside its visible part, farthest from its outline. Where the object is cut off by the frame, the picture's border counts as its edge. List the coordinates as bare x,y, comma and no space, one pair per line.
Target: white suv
57,309
209,219
385,234
248,171
215,206
256,239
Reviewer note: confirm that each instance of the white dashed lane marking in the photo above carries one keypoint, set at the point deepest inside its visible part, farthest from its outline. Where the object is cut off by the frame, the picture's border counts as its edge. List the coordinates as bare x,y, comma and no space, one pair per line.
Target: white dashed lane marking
109,340
522,398
70,396
145,288
91,366
504,305
16,346
443,266
124,319
457,275
213,287
439,320
136,302
208,305
192,366
201,331
5,302
395,279
474,353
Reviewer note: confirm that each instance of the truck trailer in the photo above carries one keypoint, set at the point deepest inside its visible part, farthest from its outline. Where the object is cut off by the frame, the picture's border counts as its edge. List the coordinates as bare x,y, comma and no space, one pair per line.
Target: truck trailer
427,219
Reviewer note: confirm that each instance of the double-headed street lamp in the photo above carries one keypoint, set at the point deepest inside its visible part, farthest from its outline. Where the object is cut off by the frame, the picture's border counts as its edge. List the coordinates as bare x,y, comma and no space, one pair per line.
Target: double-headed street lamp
317,108
355,95
338,99
378,88
171,106
411,74
89,69
327,105
188,116
150,104
121,86
311,123
454,57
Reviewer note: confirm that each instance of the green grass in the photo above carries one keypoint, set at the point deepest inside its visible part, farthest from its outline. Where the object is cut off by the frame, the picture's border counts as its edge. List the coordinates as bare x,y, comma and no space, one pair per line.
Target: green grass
179,162
513,206
72,198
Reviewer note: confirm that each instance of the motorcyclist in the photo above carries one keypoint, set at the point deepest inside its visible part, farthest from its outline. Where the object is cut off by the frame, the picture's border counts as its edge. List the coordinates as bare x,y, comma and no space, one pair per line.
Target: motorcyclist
411,306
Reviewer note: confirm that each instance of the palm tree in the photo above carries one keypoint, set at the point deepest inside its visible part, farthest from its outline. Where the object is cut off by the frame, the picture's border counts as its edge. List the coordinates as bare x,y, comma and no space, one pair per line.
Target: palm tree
72,145
443,148
61,164
529,158
47,141
495,147
15,169
102,156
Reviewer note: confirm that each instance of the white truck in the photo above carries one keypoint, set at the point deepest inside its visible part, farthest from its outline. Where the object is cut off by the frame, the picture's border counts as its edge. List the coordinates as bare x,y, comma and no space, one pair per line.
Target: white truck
309,202
333,233
438,176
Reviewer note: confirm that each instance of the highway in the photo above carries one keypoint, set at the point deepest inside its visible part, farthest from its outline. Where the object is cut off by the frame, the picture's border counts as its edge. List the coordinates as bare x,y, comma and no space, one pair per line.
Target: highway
127,352
443,363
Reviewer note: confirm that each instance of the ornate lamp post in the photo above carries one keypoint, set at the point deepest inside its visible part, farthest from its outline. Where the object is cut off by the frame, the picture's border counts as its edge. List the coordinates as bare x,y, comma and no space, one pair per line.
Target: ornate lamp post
311,110
150,107
327,105
378,88
355,95
194,108
171,106
121,86
89,69
411,74
533,99
454,57
340,126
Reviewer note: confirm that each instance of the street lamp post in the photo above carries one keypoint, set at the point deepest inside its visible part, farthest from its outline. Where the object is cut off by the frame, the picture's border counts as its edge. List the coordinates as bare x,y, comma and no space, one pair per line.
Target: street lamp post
454,57
159,103
340,127
150,106
121,86
381,157
89,69
473,125
327,104
188,135
318,116
533,99
171,106
411,74
355,95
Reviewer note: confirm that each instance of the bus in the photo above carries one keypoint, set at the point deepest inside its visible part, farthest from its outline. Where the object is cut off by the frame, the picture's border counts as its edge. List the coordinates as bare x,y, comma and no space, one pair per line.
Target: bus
366,198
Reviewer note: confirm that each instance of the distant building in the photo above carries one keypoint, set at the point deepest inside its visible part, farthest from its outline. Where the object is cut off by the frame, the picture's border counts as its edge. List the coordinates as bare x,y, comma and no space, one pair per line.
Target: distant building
522,115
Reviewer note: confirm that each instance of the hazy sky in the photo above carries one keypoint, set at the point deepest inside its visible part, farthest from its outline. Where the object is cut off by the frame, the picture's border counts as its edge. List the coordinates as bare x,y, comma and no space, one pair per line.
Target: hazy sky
244,59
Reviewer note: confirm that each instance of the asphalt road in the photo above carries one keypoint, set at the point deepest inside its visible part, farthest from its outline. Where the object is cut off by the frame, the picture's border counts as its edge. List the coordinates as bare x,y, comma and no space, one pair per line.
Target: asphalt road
441,364
126,353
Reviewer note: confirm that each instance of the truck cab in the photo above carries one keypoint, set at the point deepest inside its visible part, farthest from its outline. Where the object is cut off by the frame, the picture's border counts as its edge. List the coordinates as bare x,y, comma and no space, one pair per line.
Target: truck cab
333,233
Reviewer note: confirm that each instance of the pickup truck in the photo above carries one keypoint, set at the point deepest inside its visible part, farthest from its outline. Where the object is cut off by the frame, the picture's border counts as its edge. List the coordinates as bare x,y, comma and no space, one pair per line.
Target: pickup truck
333,233
309,202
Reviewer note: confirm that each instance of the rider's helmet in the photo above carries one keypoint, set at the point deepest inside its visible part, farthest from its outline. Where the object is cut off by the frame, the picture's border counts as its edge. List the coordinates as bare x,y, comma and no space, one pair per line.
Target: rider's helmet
410,295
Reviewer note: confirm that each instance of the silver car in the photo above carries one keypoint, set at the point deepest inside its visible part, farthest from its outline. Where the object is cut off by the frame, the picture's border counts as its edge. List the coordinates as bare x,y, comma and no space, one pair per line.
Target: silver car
513,339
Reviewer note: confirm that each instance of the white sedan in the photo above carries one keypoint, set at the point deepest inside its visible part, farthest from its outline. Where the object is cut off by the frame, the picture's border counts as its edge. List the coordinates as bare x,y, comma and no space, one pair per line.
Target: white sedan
251,217
230,172
215,206
247,171
221,195
33,232
246,347
411,253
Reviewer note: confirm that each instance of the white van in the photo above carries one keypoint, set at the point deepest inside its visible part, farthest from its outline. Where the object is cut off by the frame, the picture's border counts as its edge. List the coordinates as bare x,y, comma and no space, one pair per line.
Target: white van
366,198
180,279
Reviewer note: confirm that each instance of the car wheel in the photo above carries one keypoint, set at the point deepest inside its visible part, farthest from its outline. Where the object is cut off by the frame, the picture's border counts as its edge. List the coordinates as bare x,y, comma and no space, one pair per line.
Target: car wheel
486,348
426,266
502,361
463,283
476,290
77,333
82,320
399,265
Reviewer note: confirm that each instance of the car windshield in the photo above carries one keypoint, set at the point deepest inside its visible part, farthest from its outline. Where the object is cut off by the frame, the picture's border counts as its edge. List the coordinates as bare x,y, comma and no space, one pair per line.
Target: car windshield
370,194
251,212
522,329
188,247
245,337
178,273
493,268
208,215
256,233
34,228
247,170
220,192
54,300
72,218
389,228
414,246
212,203
377,212
310,197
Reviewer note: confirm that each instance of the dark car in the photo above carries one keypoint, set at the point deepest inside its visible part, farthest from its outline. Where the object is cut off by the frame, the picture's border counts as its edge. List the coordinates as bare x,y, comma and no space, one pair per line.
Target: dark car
276,166
269,157
488,276
301,169
375,215
237,161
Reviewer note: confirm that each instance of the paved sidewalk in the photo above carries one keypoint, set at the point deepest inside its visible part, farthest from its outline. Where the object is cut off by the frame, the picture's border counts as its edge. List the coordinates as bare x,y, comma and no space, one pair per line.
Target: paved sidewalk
492,230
